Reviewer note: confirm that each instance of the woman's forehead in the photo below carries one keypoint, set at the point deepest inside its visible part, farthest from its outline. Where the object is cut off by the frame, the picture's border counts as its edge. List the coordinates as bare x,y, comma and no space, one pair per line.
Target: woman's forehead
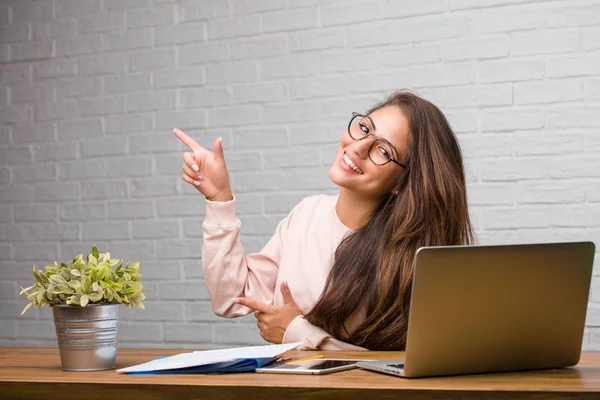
391,124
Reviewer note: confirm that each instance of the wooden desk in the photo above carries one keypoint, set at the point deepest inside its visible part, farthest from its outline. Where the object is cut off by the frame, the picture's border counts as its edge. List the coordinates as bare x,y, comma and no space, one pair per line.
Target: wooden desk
34,373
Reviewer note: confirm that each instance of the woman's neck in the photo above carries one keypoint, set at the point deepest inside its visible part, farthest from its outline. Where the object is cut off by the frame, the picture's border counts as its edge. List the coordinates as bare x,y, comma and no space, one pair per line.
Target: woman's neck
354,210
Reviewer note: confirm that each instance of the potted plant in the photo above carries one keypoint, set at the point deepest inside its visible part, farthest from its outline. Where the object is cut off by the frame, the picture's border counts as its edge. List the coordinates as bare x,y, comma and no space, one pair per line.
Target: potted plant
84,298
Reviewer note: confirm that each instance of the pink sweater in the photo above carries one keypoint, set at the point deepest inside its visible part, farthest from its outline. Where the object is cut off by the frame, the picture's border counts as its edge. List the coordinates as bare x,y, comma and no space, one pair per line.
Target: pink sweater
300,252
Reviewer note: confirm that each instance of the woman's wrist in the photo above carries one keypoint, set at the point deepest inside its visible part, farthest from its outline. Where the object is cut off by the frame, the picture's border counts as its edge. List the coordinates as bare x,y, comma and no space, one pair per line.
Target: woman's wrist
222,197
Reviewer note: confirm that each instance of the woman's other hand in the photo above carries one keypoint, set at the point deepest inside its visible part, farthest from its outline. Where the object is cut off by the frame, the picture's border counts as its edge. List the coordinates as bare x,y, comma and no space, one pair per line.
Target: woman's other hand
206,170
273,320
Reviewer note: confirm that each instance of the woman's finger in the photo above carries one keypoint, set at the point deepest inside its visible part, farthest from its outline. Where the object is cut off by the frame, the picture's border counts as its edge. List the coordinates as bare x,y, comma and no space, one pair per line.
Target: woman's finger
190,180
192,174
267,319
188,141
190,159
261,325
262,335
218,149
253,304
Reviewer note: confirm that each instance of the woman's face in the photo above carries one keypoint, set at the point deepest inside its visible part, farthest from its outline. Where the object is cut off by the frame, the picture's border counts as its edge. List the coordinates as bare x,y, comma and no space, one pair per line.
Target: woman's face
352,167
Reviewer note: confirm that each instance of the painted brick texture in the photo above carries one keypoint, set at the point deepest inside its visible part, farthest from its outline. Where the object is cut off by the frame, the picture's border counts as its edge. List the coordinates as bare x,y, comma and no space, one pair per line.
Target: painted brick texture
90,92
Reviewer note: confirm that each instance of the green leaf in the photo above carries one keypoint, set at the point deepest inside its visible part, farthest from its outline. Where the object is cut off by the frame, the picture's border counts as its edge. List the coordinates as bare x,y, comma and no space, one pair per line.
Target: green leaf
75,272
79,264
116,296
51,267
35,275
84,300
129,292
104,272
138,296
73,284
74,300
79,290
135,285
57,278
66,289
138,304
92,261
39,277
95,297
95,286
40,296
95,251
26,308
25,290
86,284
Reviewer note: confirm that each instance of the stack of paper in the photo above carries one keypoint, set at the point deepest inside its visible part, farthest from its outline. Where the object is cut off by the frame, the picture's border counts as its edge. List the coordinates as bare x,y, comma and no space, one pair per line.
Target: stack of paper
240,359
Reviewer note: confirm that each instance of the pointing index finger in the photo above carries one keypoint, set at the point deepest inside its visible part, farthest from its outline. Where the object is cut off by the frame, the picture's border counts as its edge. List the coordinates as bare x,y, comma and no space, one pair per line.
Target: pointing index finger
188,141
253,304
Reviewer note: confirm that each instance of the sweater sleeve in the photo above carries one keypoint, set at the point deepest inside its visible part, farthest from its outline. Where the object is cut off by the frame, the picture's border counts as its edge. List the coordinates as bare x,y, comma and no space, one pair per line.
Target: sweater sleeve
228,272
313,337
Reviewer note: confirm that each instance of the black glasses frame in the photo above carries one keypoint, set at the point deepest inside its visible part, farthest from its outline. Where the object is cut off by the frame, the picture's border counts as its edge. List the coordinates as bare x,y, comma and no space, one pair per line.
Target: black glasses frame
375,138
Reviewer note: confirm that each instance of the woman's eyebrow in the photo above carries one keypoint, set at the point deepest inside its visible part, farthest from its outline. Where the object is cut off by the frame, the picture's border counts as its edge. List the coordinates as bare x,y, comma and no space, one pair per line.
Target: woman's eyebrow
372,123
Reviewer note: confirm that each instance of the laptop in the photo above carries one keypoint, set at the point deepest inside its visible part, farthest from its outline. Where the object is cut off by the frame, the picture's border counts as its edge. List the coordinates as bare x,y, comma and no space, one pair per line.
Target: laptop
481,309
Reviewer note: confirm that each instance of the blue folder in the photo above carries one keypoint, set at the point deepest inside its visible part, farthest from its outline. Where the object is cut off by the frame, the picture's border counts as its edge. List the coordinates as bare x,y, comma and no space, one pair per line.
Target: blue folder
224,367
220,361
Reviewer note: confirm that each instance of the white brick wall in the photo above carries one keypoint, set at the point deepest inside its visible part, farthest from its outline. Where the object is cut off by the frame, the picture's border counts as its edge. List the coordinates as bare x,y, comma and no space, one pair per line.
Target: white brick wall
91,89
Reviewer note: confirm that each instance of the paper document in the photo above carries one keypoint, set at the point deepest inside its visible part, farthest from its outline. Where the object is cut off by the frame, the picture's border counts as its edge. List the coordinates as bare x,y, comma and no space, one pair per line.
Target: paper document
213,361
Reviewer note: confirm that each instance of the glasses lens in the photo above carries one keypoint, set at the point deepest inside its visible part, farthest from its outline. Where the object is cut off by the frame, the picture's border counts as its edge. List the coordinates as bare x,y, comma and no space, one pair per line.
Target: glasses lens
380,152
359,127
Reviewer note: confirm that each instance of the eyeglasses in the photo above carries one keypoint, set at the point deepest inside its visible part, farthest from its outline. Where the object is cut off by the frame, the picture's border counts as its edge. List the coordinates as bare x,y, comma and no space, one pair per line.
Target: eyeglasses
380,150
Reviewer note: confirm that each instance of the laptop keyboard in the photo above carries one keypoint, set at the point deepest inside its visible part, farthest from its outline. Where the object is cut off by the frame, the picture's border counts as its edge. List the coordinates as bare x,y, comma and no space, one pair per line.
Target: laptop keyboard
396,365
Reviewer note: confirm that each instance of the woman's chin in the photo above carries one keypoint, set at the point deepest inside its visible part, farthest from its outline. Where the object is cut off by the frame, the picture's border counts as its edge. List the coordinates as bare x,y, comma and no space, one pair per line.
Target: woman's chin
335,175
340,177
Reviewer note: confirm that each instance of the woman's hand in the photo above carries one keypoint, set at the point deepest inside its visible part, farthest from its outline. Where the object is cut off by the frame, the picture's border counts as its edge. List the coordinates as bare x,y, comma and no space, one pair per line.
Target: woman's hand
273,320
204,170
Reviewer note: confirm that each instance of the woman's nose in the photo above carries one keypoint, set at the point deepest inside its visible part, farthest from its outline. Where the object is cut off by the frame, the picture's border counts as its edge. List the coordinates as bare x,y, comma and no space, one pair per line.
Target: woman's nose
361,147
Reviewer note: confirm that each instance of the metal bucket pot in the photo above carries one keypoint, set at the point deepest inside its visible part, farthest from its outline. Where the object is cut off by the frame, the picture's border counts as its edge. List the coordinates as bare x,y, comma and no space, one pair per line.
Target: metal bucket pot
87,336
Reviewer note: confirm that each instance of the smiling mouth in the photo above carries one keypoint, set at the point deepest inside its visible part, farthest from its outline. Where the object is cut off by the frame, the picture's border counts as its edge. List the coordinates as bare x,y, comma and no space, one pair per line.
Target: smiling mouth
351,164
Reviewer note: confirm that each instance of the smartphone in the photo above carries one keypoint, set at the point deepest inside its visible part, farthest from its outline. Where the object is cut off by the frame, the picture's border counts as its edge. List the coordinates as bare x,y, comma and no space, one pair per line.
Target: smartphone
318,366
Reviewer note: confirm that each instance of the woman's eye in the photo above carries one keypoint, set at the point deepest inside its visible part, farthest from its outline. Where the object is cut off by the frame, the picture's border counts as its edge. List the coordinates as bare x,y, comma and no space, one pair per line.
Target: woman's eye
365,129
384,152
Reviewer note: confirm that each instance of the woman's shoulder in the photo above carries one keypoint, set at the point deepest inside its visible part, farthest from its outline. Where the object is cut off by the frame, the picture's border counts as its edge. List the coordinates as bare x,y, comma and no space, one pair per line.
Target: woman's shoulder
317,202
311,209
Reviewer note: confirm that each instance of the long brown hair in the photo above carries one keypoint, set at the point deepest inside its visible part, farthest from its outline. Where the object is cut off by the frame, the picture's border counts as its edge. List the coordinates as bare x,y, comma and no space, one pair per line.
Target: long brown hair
373,267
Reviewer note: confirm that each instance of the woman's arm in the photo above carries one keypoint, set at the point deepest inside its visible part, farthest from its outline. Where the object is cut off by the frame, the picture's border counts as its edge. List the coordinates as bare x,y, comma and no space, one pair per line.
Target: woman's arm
228,272
313,337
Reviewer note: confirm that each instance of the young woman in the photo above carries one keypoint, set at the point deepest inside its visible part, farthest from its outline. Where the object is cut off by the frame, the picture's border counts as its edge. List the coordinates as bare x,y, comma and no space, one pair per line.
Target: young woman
337,273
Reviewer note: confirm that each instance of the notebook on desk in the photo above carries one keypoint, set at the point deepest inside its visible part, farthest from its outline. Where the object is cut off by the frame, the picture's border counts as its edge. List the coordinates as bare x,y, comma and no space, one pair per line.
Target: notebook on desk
477,309
242,359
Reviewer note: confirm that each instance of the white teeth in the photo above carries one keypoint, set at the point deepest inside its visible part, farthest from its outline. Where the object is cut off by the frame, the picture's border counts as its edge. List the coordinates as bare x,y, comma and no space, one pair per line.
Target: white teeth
348,161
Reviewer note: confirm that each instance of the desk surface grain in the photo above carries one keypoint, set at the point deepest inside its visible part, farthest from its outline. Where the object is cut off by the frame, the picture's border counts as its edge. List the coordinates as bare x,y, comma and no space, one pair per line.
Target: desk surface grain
35,372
